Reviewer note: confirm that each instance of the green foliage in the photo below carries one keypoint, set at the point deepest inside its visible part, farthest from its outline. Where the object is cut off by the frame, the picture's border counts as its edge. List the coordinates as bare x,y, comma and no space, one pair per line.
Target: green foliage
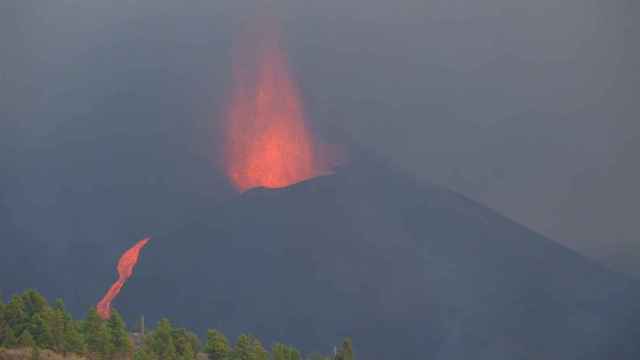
284,352
217,347
248,347
186,343
34,303
118,335
42,326
57,322
10,340
58,304
4,330
160,343
142,354
96,334
4,327
14,314
26,340
346,351
73,340
169,352
188,354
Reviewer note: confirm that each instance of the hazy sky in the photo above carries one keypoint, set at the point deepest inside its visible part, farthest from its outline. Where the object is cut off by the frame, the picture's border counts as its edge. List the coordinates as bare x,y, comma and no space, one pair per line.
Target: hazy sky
109,109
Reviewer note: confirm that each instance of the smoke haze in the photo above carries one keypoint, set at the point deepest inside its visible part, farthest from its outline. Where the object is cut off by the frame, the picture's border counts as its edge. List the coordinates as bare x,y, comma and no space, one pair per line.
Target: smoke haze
110,111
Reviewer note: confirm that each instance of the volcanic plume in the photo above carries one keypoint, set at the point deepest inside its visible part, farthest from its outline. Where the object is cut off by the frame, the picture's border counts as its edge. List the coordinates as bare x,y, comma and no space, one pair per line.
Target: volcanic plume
267,141
127,262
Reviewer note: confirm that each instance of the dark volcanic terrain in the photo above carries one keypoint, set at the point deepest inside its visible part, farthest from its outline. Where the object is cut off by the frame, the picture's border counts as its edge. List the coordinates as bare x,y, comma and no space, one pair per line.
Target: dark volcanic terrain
409,270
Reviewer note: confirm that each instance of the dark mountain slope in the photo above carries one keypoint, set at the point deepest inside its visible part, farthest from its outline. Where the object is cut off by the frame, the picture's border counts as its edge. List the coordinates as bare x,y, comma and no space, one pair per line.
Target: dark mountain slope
410,271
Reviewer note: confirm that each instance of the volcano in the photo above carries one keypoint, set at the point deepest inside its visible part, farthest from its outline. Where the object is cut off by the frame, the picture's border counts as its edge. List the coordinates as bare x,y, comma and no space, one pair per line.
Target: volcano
409,270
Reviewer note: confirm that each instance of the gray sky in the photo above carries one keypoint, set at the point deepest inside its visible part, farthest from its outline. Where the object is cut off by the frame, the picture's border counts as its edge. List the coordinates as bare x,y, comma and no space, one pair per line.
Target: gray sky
527,106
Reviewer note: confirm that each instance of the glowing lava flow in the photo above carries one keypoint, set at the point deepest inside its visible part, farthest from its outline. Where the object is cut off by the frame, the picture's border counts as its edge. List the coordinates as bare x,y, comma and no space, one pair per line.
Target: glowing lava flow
127,262
267,141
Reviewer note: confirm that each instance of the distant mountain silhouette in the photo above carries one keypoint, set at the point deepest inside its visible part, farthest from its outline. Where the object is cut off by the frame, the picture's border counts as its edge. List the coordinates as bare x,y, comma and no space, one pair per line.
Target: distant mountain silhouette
409,270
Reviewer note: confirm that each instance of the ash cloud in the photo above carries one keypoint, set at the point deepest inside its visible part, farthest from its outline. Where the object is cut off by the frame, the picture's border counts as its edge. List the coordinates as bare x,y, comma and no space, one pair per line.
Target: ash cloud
109,111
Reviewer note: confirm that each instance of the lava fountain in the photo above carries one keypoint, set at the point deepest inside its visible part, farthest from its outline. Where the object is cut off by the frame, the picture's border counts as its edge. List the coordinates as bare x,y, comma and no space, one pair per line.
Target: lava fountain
267,141
127,262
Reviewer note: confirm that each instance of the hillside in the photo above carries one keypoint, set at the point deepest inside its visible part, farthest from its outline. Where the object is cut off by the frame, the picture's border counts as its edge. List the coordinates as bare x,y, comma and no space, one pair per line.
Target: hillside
410,270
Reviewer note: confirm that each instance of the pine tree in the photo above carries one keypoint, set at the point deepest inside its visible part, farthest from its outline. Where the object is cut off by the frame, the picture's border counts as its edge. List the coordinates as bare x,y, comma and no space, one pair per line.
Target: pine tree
73,340
186,343
4,330
242,349
57,324
283,352
194,341
346,350
34,303
217,347
15,316
26,340
142,354
4,327
161,341
58,304
186,354
65,332
10,340
41,330
169,352
96,334
249,348
259,350
118,334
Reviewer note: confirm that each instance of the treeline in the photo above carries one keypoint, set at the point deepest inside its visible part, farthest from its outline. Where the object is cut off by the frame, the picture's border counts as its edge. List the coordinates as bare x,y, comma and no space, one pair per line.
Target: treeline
29,321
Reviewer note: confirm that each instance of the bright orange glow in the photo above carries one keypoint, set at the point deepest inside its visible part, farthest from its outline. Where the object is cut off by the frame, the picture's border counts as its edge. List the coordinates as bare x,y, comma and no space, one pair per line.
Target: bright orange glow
127,262
267,141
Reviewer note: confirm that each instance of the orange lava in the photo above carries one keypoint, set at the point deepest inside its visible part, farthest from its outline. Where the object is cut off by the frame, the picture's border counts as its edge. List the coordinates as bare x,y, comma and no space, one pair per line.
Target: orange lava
267,141
127,262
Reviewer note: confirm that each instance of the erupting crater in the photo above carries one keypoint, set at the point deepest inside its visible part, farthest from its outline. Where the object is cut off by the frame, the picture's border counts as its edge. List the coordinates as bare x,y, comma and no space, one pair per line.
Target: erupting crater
267,141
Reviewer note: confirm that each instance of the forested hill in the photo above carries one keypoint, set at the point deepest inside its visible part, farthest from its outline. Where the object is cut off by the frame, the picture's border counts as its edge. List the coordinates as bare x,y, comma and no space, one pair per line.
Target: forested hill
31,328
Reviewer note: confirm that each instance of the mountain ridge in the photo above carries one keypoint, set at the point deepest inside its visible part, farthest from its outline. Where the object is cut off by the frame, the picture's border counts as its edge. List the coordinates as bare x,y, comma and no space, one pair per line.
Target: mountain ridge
409,268
366,246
